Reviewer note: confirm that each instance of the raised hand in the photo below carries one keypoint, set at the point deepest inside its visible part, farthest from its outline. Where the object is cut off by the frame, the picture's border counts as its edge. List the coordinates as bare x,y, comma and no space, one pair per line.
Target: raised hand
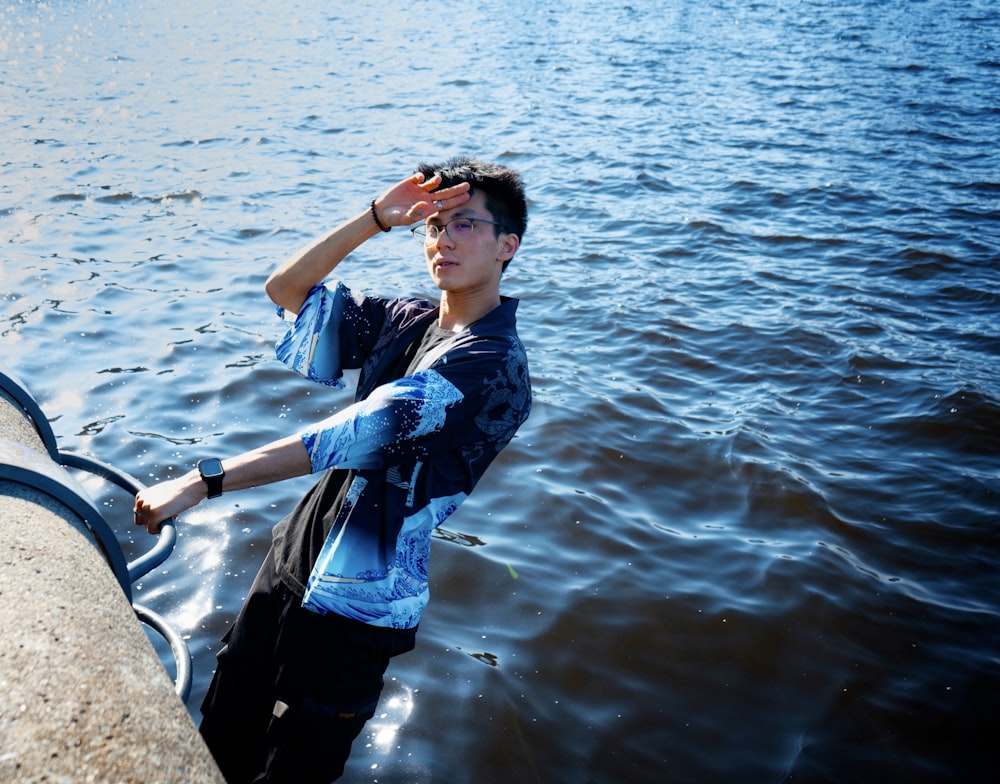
415,199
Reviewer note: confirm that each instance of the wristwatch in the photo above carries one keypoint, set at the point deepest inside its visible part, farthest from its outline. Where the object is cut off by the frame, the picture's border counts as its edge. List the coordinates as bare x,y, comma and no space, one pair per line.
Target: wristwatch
212,473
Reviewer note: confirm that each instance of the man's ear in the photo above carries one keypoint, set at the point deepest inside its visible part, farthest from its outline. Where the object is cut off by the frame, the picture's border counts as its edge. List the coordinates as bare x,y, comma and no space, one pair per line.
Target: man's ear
511,242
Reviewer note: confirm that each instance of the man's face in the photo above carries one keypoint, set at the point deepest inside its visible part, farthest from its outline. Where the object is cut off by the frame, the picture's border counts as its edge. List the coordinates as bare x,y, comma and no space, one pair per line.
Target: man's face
471,259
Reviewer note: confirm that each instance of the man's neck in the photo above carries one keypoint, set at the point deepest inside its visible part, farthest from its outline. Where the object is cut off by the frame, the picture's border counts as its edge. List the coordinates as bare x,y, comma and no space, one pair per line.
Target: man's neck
459,311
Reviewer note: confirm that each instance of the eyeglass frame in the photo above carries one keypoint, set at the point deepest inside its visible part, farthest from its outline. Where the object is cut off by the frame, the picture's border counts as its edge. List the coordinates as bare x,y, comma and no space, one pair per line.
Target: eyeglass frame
421,235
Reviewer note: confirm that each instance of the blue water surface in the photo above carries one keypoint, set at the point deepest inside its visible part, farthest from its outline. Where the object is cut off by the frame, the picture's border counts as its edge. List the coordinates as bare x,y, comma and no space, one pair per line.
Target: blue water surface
751,531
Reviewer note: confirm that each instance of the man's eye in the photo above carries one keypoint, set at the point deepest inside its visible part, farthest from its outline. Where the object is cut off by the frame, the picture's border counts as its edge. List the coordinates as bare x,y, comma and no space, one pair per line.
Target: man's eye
462,226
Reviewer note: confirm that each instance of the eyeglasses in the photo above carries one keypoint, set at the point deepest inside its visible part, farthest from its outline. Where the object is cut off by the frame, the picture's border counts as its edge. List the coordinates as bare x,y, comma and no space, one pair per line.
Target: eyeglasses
457,229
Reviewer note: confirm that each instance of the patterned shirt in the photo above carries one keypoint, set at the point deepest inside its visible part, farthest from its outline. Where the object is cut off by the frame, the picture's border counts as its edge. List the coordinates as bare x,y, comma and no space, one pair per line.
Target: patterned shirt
427,421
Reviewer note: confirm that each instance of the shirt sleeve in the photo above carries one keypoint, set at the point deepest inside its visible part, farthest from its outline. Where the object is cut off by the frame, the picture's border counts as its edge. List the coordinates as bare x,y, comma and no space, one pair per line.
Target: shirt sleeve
332,332
391,421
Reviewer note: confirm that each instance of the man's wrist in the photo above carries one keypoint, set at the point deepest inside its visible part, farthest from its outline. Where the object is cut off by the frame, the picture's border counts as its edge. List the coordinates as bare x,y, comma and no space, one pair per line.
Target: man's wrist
378,221
212,474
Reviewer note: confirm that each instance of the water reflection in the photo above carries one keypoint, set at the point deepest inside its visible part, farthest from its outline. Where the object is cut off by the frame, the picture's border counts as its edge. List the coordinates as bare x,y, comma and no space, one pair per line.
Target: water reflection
381,752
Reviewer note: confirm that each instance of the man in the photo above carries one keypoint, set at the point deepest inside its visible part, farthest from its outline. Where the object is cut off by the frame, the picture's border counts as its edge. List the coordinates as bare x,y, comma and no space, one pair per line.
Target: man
442,389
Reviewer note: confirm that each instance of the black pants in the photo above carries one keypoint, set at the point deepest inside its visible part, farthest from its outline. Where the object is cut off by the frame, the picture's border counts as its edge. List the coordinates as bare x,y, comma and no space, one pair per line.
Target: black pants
293,689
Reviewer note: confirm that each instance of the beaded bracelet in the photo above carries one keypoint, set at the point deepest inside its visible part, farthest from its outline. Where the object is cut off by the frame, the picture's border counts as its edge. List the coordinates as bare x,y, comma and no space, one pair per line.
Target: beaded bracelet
377,221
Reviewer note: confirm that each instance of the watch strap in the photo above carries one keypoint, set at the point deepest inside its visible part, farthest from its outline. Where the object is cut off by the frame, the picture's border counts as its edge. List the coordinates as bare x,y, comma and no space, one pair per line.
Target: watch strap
212,475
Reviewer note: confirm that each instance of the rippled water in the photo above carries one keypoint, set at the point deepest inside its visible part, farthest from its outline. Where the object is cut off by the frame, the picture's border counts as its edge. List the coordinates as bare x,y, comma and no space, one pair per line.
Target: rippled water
751,531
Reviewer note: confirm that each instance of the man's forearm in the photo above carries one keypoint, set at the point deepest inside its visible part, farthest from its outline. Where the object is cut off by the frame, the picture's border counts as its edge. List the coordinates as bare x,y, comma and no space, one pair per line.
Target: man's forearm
278,460
283,459
291,282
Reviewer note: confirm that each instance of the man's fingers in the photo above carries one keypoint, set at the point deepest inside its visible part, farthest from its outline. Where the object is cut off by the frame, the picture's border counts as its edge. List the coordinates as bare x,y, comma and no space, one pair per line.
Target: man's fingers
142,515
462,189
449,198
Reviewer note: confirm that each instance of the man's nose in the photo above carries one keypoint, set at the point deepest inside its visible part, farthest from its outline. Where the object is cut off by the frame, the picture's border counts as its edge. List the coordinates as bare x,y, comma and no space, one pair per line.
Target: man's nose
443,236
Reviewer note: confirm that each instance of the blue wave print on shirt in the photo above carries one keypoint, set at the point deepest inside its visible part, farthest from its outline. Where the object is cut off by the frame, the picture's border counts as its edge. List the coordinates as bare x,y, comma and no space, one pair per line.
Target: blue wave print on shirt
309,348
394,416
350,578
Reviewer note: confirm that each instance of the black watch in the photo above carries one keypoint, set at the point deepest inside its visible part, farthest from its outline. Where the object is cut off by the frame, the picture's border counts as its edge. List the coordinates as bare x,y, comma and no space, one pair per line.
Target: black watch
211,471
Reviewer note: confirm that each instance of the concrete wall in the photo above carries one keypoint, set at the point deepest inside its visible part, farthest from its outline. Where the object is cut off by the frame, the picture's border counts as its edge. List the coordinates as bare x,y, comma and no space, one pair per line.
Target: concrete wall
83,695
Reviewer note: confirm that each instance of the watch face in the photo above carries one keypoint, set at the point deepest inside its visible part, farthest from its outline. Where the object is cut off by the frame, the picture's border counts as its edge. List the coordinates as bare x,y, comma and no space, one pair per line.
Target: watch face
210,468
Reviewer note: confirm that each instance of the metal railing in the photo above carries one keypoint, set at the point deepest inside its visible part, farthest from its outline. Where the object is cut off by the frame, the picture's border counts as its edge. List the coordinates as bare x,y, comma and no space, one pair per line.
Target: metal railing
48,475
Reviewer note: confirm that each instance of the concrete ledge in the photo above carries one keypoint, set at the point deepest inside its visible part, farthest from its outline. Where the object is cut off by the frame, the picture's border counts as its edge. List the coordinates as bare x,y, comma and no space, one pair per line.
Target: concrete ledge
85,697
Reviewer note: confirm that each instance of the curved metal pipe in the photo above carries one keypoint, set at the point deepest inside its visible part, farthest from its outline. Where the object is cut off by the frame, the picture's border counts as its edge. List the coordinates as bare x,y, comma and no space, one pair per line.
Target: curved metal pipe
178,647
168,533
